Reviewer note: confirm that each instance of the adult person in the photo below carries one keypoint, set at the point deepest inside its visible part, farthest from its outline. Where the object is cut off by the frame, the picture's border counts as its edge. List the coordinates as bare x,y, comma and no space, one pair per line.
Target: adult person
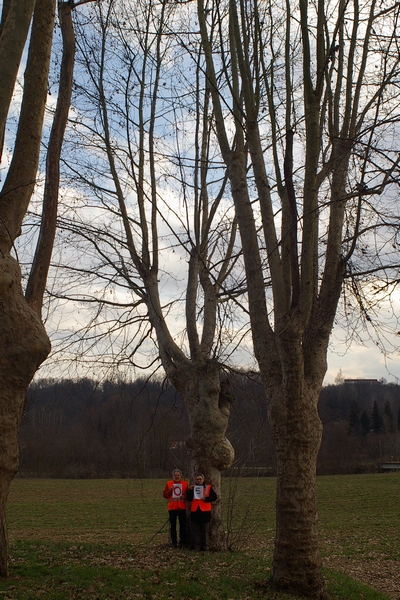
175,492
201,496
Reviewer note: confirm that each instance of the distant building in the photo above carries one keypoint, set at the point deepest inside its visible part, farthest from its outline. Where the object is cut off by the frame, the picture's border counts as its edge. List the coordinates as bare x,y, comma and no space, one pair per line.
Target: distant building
363,381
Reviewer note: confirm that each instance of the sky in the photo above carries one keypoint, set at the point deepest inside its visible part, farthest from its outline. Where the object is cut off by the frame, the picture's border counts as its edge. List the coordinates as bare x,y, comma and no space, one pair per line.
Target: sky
362,362
354,359
357,360
368,356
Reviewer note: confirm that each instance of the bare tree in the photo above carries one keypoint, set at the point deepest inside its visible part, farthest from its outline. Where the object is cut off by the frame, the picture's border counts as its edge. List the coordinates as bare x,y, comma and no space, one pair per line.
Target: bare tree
310,93
24,342
156,202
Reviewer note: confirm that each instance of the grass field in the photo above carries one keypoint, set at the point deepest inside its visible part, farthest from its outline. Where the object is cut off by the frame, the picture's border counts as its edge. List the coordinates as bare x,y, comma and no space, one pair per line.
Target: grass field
108,539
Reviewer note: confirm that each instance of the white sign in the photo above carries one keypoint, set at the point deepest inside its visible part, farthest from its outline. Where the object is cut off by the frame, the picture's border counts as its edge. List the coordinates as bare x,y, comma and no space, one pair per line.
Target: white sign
176,491
198,492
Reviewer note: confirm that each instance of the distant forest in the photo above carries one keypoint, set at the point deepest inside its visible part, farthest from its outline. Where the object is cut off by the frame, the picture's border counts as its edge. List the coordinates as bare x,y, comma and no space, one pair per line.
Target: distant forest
86,429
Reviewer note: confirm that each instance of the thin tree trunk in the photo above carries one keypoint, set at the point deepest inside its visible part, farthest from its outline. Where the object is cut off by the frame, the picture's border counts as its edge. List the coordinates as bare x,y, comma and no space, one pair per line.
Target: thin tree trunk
21,177
15,20
38,275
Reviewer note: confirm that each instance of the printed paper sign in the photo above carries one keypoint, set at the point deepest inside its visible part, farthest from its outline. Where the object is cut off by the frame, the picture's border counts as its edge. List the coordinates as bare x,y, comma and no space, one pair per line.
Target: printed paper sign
198,492
176,491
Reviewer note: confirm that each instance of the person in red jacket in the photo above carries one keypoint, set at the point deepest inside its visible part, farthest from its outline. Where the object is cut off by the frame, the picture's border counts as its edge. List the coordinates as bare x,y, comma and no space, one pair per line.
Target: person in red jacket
175,492
201,496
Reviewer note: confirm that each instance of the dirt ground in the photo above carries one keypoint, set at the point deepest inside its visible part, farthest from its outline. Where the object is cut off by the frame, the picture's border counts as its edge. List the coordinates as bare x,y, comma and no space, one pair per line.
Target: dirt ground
380,574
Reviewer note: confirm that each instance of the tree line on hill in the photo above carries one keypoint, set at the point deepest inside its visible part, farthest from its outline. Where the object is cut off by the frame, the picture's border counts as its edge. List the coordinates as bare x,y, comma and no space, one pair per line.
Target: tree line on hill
87,429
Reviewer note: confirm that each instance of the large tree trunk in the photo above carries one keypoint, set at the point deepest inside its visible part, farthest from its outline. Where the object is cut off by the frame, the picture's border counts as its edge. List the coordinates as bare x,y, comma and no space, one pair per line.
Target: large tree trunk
23,340
297,565
208,404
23,346
297,430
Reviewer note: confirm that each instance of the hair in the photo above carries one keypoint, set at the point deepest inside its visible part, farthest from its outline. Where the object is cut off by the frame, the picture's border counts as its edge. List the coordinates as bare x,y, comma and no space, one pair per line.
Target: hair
199,475
175,471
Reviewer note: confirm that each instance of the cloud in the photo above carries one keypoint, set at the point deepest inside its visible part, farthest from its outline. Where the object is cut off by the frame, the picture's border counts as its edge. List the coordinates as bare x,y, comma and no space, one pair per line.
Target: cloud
363,362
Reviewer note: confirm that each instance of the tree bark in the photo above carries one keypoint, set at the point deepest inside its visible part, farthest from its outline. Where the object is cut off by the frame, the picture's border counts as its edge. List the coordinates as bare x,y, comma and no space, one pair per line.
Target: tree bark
21,177
23,346
297,431
44,249
15,21
208,403
23,341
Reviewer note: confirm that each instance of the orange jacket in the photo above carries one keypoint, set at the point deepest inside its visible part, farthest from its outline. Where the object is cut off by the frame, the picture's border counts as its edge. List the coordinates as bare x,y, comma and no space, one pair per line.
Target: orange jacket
204,506
174,503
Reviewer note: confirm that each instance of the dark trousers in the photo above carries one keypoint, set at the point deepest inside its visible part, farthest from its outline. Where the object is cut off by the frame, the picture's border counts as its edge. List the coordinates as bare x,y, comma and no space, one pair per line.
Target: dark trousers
181,516
200,535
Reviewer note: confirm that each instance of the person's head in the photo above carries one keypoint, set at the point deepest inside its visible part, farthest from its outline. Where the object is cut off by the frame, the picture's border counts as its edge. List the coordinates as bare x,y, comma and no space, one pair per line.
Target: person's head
176,474
199,479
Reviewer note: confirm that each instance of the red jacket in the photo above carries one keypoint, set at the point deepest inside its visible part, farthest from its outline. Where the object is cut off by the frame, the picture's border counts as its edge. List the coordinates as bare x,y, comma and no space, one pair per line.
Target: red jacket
168,493
204,506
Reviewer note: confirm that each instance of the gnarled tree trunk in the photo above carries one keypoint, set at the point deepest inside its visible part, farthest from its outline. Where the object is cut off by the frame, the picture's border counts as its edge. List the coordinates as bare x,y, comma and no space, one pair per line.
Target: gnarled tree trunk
23,346
208,404
23,340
